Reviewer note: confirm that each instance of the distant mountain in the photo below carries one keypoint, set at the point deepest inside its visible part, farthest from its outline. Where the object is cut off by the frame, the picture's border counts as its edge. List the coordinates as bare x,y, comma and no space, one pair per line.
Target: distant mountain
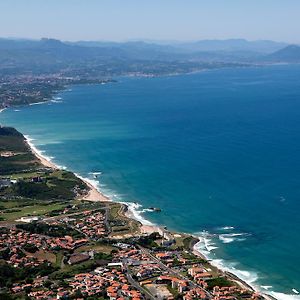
51,55
232,45
290,53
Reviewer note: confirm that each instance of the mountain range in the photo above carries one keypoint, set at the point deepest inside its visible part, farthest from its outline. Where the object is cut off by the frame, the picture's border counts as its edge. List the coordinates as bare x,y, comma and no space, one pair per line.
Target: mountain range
52,55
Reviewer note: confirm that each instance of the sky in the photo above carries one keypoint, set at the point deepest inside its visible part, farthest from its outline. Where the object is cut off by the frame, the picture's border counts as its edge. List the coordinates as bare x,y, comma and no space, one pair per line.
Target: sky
122,20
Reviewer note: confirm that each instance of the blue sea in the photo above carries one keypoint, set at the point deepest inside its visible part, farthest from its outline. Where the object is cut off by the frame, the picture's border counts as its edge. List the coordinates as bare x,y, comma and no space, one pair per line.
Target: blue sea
217,151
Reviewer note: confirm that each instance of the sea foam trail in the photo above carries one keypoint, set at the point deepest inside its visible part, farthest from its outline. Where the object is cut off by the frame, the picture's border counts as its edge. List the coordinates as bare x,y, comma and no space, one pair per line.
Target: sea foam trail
136,212
226,228
227,238
282,296
38,103
204,246
95,173
39,152
92,182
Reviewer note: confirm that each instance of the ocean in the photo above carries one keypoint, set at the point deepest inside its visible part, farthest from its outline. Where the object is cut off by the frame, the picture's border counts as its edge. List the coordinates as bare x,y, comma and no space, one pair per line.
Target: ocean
217,151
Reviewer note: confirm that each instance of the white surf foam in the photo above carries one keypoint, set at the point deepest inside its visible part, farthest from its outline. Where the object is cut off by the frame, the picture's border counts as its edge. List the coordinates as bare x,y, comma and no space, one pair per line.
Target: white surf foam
56,100
95,173
227,228
92,182
282,296
136,212
250,277
206,246
147,210
38,103
266,287
38,151
227,238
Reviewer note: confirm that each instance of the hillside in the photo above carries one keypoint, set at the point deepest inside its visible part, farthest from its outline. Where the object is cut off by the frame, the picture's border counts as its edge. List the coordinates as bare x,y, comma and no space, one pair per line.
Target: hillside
290,53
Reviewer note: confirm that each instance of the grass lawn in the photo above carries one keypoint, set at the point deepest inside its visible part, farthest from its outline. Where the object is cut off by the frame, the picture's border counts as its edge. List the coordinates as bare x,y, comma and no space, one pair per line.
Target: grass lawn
25,175
58,259
33,210
104,248
116,212
69,271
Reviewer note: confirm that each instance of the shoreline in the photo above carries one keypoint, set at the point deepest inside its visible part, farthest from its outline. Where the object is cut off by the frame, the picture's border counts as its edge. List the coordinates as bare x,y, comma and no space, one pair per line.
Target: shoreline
131,212
93,194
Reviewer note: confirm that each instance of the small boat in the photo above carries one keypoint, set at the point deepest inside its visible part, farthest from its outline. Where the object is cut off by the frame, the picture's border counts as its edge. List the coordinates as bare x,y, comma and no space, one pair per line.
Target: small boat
295,291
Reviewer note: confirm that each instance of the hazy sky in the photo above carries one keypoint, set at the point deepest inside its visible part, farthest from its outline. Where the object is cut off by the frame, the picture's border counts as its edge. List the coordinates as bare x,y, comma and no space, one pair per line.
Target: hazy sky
151,19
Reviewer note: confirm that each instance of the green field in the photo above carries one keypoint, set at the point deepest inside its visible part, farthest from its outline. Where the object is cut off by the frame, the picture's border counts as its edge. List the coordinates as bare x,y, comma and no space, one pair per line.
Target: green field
13,212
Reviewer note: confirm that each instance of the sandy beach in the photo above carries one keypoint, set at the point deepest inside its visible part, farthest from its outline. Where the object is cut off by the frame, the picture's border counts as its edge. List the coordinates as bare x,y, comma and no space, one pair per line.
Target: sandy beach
93,193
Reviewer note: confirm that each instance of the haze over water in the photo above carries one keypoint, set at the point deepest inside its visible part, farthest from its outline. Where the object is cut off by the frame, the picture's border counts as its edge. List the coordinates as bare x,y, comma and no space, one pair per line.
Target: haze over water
217,151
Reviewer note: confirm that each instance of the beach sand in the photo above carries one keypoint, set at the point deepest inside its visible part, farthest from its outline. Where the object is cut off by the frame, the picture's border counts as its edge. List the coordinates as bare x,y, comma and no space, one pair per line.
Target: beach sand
93,193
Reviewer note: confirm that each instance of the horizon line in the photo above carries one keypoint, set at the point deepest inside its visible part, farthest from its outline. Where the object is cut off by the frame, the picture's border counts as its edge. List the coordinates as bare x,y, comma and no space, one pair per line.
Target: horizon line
147,40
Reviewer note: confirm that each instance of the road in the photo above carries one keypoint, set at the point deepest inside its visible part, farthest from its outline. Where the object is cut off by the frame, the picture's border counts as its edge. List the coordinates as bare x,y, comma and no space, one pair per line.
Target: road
171,271
135,283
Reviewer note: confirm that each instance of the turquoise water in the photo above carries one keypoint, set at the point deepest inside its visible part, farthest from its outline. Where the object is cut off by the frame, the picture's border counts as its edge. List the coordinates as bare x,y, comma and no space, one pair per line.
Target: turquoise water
212,150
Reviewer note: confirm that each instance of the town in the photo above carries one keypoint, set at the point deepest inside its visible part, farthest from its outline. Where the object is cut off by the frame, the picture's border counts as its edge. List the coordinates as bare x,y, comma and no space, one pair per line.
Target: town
67,267
56,244
29,89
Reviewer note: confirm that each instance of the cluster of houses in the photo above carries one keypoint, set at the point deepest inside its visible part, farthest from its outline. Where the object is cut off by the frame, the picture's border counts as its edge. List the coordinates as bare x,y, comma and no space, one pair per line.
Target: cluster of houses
231,292
7,181
17,88
132,270
110,281
17,239
151,275
12,248
148,271
66,243
199,275
15,243
91,224
38,292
